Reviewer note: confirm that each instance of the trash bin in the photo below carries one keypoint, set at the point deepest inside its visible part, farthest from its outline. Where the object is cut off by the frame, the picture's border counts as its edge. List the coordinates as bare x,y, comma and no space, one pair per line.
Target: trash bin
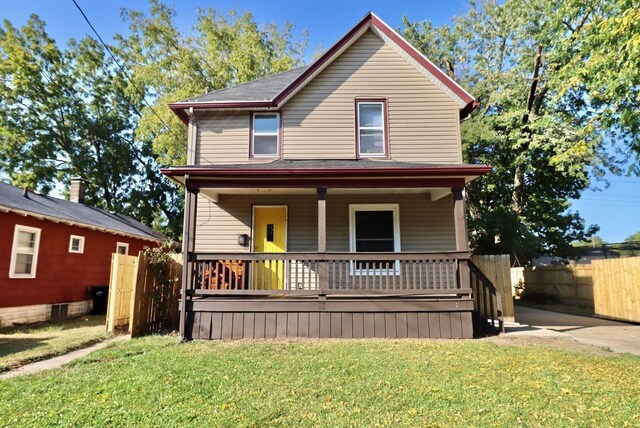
100,296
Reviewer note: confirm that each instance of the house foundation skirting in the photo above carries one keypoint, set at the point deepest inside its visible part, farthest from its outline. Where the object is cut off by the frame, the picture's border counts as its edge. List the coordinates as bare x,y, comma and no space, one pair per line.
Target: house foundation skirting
38,313
296,318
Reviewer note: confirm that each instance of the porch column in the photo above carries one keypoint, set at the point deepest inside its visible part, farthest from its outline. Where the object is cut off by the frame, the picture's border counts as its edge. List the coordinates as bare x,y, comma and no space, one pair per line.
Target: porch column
322,219
322,239
460,219
188,246
462,242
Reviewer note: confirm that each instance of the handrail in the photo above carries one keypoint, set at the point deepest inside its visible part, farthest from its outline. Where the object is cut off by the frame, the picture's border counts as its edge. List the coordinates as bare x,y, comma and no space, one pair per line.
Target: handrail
297,273
484,293
328,256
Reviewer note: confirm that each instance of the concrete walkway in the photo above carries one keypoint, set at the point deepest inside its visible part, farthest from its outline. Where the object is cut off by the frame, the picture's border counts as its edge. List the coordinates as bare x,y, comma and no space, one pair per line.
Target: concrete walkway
617,336
57,362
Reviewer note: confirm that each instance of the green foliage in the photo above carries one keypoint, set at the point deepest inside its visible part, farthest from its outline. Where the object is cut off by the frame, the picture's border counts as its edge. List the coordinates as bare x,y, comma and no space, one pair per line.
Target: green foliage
76,112
546,110
172,66
155,382
633,238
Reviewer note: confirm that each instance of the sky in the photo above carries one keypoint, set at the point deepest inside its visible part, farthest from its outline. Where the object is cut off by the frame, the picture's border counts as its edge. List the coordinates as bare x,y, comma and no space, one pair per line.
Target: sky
615,209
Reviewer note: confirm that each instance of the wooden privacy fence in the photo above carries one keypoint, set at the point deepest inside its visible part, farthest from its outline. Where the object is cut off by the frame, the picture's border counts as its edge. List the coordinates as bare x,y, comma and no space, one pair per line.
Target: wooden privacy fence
572,285
616,288
137,302
497,268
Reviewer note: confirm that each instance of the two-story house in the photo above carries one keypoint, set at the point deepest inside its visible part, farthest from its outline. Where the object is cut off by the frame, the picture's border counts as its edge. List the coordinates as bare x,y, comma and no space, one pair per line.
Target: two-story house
327,201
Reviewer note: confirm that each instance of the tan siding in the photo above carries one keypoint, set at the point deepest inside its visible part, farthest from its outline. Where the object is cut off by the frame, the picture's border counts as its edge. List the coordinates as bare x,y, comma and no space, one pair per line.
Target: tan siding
319,120
223,138
424,225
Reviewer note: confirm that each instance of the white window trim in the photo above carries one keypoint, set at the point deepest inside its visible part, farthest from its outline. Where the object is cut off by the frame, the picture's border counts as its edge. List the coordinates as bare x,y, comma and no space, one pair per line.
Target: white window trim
265,134
81,248
395,208
375,128
36,249
125,245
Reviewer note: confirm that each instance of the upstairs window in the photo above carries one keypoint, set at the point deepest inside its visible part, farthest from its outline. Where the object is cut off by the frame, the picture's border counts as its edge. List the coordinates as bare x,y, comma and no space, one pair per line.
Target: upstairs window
371,132
265,135
24,254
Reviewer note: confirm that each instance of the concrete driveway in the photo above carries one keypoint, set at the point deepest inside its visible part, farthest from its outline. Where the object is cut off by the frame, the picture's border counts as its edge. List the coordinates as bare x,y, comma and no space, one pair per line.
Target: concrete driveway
617,336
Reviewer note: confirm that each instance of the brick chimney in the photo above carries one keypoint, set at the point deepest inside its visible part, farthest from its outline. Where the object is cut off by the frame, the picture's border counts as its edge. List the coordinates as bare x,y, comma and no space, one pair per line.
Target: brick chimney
76,192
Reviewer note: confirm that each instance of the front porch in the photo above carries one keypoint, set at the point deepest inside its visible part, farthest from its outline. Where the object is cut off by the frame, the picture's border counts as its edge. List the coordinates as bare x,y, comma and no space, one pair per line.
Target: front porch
383,253
331,295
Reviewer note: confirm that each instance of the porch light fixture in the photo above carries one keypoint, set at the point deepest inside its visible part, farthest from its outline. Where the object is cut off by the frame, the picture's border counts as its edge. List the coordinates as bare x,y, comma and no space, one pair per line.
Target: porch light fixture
243,240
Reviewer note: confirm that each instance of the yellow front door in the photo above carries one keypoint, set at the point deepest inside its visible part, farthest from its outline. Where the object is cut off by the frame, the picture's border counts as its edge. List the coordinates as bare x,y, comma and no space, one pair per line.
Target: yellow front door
269,236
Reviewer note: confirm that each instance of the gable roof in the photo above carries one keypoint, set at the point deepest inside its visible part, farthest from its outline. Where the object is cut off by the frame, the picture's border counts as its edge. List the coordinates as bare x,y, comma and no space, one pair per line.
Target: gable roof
72,213
274,91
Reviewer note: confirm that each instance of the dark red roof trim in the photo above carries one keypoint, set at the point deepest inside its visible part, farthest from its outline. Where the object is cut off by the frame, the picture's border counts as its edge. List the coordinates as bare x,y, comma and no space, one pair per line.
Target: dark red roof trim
370,18
310,182
434,171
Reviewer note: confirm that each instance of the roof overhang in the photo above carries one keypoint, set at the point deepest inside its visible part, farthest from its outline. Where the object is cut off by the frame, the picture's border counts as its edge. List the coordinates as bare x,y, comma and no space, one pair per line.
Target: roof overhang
462,98
24,213
344,178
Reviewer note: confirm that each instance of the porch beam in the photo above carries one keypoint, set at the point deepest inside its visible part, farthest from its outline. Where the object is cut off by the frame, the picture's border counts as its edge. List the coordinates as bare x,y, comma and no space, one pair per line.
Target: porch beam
188,247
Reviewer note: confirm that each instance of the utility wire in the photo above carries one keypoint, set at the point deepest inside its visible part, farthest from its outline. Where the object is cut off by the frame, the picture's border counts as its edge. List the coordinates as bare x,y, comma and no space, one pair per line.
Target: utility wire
129,80
124,73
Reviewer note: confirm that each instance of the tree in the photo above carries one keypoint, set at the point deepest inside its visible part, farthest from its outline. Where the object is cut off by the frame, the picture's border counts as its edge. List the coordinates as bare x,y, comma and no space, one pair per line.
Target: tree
633,238
543,133
63,113
100,112
170,66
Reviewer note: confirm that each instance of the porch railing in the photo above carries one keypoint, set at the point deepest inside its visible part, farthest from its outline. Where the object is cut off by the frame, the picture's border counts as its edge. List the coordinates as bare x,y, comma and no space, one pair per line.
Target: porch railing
423,273
488,315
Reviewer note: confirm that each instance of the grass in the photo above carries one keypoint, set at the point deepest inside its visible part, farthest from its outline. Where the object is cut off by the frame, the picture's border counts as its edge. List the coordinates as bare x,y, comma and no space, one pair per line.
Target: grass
21,345
154,381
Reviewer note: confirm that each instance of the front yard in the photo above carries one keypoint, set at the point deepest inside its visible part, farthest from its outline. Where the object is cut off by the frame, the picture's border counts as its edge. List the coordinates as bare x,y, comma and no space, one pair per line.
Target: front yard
155,382
21,345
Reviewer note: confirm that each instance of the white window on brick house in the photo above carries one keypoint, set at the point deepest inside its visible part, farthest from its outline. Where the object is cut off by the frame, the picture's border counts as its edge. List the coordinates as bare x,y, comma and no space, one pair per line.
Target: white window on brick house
24,252
76,244
122,248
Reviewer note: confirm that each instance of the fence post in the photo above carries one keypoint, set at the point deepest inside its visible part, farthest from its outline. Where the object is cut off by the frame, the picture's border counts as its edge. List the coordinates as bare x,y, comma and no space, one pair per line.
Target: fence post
113,285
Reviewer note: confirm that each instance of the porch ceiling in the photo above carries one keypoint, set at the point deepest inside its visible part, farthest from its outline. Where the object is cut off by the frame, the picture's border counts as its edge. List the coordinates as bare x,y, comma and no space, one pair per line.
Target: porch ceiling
214,193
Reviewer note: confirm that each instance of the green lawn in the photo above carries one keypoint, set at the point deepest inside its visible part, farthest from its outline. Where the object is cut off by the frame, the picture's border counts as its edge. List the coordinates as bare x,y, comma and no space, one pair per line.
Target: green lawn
155,382
24,344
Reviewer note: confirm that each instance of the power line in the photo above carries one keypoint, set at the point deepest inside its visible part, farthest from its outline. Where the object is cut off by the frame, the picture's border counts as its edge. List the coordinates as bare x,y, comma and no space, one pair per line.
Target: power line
140,92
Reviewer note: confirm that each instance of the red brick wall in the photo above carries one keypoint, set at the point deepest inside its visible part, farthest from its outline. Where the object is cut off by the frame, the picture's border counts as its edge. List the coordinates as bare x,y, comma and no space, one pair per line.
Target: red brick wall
61,276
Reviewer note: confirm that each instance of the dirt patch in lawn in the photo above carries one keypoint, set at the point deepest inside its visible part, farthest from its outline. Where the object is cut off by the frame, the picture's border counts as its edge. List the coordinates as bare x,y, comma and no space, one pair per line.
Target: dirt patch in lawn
565,343
20,345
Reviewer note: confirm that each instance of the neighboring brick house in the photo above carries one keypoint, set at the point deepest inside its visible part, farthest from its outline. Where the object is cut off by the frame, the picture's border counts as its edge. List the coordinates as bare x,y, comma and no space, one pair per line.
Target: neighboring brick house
52,250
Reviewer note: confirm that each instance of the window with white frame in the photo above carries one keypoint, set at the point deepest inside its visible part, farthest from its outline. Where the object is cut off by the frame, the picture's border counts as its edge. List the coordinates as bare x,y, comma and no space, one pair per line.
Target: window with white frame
374,228
371,128
122,248
76,244
24,252
265,135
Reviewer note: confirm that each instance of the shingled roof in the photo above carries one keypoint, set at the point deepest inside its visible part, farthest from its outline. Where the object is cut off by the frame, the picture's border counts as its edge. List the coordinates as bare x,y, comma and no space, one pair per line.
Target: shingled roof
264,89
33,204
